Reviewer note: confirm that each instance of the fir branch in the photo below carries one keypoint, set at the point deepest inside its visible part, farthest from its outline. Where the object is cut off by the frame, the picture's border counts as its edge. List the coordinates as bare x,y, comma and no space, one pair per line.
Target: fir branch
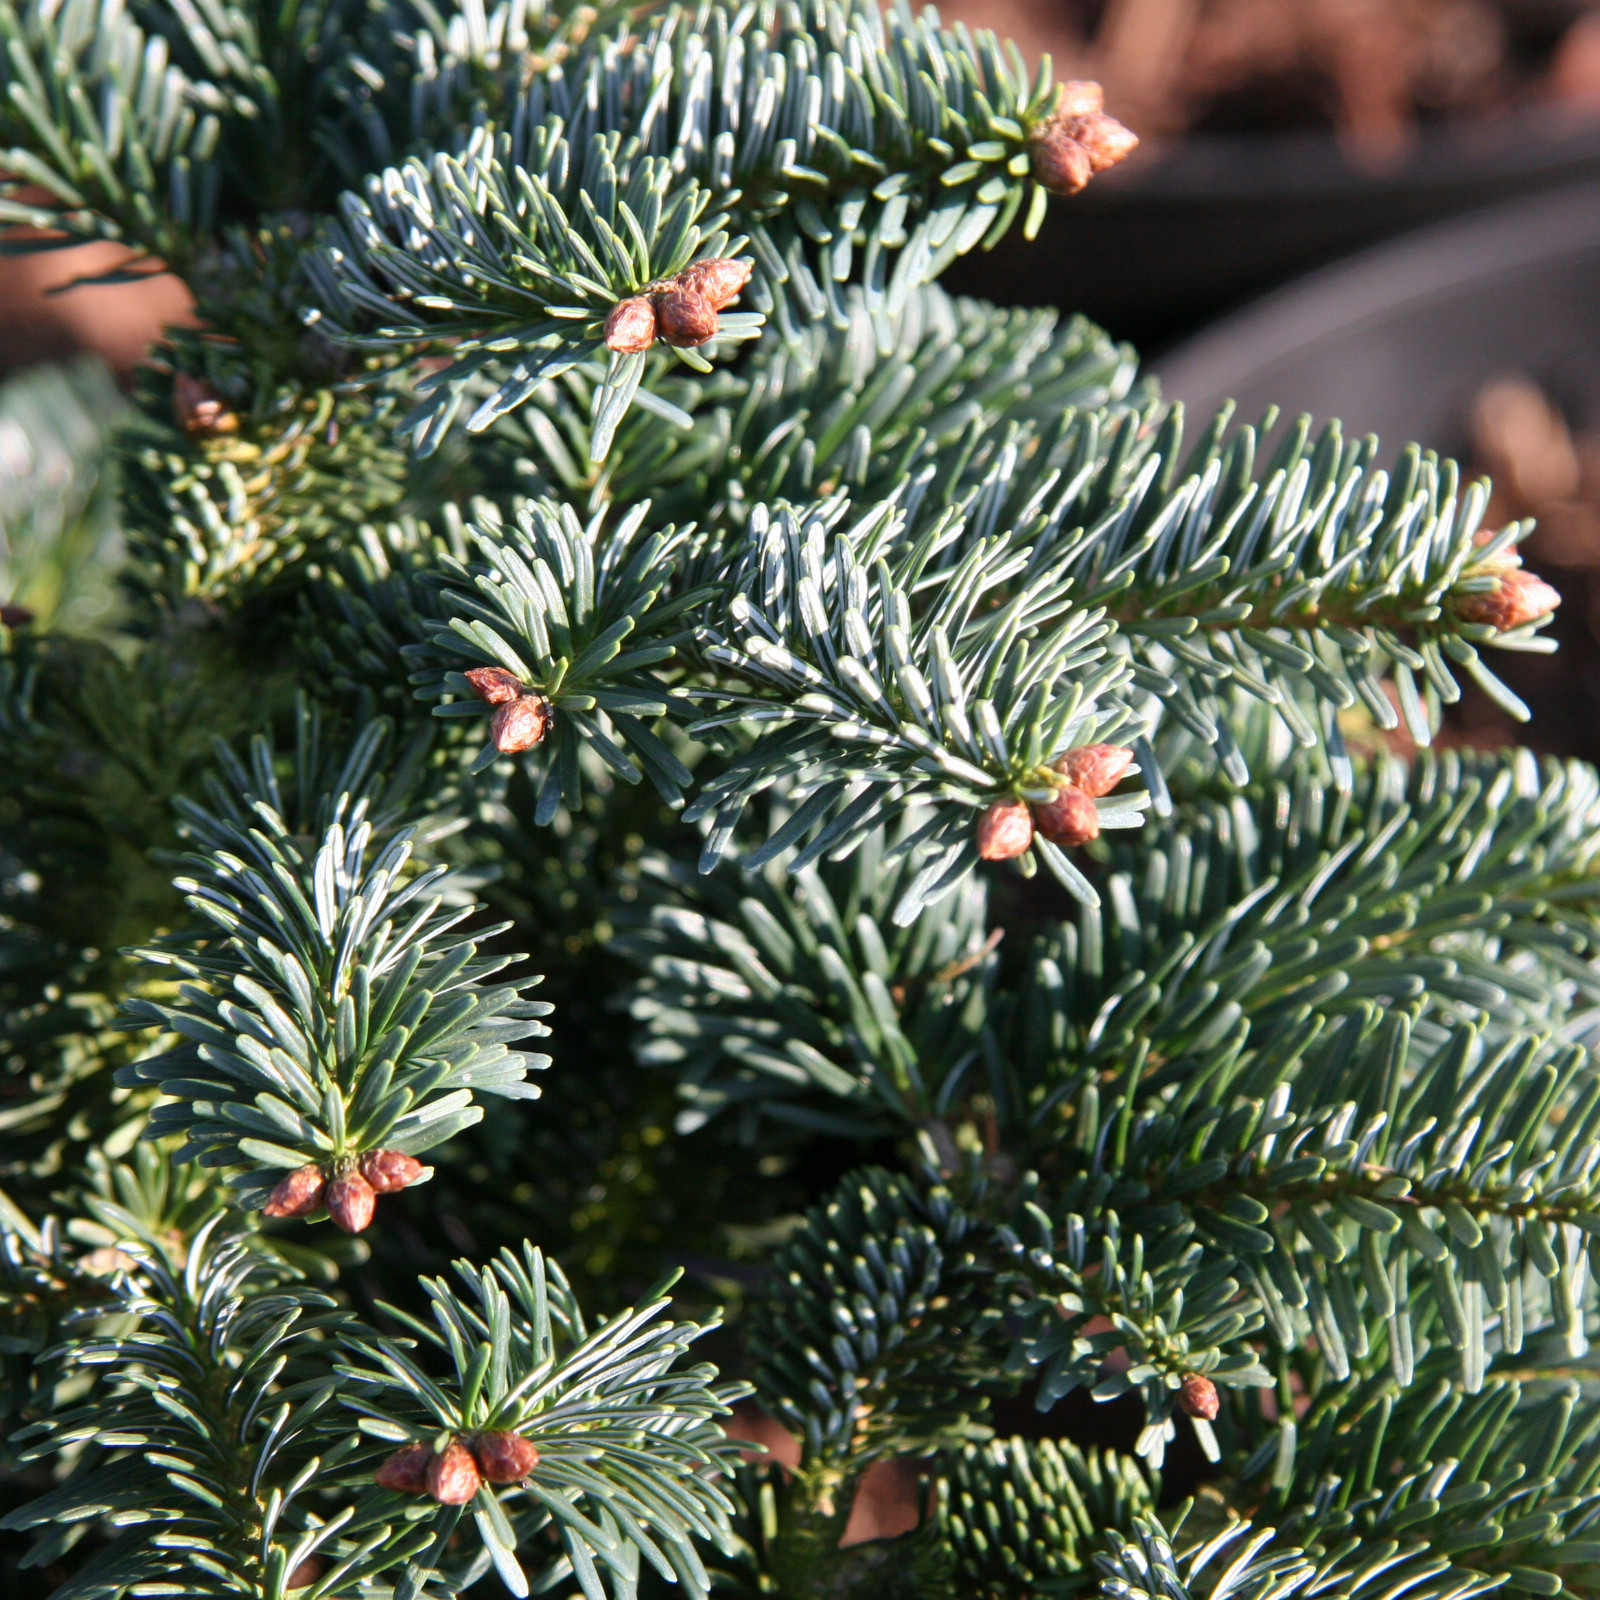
403,782
1467,1176
1459,886
1500,1486
881,704
627,1440
581,617
1021,1516
222,498
1454,1193
1313,574
338,1011
154,125
116,116
54,1271
362,607
801,1002
1461,883
1317,572
1446,1495
1144,1566
1176,1308
149,1201
819,133
879,1333
481,247
199,1447
422,73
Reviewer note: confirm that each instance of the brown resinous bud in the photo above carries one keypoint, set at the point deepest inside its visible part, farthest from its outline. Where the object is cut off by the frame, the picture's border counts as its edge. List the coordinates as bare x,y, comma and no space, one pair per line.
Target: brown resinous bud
297,1195
685,317
1197,1397
683,310
350,1202
1095,768
504,1457
1518,598
494,685
1004,830
389,1171
631,325
720,280
520,724
1069,819
453,1475
306,1573
198,409
1079,97
406,1471
1077,140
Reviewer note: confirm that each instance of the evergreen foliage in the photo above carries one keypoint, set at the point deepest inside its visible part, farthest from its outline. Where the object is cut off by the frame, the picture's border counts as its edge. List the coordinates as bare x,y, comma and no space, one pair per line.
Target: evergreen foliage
417,610
338,1013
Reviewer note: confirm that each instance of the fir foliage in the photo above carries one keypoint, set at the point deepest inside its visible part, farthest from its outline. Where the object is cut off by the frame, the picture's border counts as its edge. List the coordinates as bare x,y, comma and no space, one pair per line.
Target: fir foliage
335,1010
1021,1515
1263,1126
877,1334
628,1440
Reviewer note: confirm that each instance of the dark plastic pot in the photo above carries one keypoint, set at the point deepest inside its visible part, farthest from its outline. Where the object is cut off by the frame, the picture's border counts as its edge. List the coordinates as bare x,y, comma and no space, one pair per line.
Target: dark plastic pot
1156,252
1398,342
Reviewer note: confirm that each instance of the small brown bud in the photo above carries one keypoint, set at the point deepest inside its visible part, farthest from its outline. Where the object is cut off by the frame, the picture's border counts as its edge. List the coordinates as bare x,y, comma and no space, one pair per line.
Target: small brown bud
406,1471
388,1171
350,1202
1095,768
1004,830
1079,97
297,1195
15,616
1520,597
1067,149
1071,818
1106,140
494,685
631,325
520,724
719,280
307,1572
199,410
685,317
1058,161
504,1457
1197,1397
453,1475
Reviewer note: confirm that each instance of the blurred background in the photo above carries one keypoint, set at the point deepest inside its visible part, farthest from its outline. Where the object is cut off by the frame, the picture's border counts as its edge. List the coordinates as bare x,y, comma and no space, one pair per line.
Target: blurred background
1386,211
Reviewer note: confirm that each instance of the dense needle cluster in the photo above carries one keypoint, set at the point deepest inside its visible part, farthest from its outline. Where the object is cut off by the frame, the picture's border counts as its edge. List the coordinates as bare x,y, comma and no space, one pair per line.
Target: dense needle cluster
1011,943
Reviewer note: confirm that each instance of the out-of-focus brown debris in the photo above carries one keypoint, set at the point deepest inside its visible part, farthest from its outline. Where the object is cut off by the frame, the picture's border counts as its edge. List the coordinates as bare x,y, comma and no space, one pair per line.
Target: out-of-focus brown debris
1522,439
1539,469
1371,70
